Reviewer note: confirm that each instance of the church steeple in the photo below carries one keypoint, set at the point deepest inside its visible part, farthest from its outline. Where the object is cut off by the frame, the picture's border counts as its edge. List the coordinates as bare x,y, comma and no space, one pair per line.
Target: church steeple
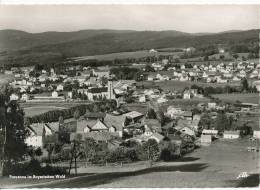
110,89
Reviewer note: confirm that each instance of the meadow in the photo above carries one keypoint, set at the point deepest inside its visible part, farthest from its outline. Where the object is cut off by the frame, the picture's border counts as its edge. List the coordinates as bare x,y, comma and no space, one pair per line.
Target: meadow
4,79
125,55
242,97
172,85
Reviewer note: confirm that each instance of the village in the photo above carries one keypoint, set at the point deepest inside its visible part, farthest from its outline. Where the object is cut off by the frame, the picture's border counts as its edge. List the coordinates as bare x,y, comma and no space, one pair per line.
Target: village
129,96
117,132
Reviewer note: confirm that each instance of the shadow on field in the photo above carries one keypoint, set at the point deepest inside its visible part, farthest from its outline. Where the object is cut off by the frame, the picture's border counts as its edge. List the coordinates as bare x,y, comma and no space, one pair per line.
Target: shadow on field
251,181
105,178
186,159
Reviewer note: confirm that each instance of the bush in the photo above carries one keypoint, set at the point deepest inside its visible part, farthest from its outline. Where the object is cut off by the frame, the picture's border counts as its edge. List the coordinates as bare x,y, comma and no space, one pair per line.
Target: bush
31,168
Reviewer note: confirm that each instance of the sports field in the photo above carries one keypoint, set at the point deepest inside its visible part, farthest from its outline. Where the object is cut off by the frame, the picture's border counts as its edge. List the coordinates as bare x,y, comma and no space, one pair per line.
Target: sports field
36,110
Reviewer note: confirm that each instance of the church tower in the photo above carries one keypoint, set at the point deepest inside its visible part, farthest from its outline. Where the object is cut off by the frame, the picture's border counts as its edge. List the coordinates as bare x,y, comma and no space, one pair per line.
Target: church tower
110,89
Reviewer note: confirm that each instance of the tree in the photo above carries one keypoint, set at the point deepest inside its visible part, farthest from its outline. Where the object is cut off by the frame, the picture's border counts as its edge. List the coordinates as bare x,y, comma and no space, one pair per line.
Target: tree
148,151
12,133
95,108
149,68
76,114
222,122
76,151
235,56
161,117
222,57
151,113
244,84
205,122
90,148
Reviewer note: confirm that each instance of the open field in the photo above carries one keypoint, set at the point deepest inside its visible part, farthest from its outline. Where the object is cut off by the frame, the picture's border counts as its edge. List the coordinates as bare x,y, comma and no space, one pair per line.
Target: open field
217,165
4,79
125,55
182,103
180,85
242,97
36,110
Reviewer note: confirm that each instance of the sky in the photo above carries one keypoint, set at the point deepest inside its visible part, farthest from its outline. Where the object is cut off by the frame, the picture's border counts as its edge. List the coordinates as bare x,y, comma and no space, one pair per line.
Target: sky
186,18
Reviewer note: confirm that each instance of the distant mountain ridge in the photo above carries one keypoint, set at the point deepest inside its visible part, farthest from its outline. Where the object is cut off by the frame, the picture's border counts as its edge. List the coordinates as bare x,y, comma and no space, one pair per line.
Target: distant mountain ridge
18,44
16,39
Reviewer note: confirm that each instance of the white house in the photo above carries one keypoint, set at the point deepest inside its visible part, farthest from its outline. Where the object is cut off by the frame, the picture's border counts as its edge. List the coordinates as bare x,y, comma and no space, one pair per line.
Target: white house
173,112
212,105
231,135
60,87
162,99
186,94
205,140
36,133
256,134
25,97
14,97
142,98
54,94
211,132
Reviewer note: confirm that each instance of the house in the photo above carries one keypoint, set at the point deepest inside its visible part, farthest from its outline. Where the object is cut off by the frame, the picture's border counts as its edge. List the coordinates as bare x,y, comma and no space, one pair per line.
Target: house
144,138
173,112
187,115
39,133
151,77
211,132
85,126
14,97
97,93
59,87
35,135
231,134
134,117
142,99
100,126
256,134
205,140
54,94
162,99
184,127
152,51
186,94
212,105
25,97
104,72
152,125
156,136
116,121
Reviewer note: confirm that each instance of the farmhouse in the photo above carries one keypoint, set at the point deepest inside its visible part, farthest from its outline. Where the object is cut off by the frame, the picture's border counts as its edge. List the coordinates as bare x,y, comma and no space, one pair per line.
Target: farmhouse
256,134
205,140
211,132
14,97
231,135
117,122
184,127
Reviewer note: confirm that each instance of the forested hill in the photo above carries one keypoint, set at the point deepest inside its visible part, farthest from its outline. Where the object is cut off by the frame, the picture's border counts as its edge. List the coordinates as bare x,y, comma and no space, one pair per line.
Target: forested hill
18,44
